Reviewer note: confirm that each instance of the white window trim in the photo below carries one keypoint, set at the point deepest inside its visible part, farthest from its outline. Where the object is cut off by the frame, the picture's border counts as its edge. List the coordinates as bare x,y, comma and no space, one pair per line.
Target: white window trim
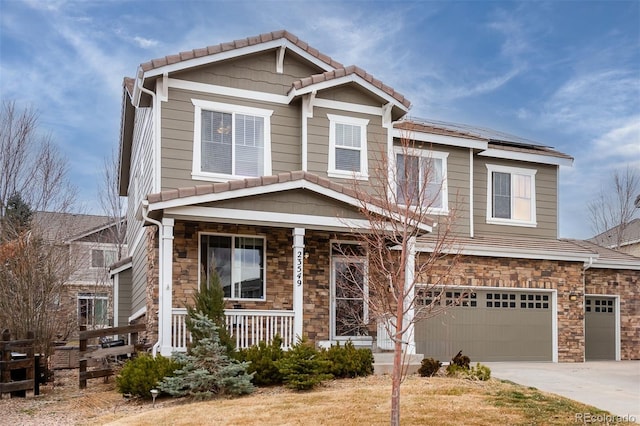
363,174
517,171
444,190
365,296
233,236
200,105
92,315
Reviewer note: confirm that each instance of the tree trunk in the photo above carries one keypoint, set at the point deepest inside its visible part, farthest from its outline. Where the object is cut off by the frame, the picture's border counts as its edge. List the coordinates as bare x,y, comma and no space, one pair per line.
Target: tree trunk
396,376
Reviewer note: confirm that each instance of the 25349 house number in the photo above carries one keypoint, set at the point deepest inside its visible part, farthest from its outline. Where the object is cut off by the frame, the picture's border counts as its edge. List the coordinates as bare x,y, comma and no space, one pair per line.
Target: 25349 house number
299,257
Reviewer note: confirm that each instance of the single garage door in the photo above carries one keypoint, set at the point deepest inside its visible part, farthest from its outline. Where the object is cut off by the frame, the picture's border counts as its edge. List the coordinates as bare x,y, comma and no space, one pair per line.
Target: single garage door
600,328
488,325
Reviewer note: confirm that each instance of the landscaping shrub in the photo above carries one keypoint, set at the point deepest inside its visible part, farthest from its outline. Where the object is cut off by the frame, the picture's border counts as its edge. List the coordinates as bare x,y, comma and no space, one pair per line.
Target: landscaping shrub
429,367
143,373
480,372
207,370
302,367
262,362
348,361
209,300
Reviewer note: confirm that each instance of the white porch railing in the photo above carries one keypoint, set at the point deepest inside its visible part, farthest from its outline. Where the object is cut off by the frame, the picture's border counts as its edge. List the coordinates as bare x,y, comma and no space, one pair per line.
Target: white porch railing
385,342
247,326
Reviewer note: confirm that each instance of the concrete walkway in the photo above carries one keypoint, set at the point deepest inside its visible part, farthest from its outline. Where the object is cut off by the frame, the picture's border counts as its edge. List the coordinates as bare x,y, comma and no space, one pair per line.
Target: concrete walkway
613,386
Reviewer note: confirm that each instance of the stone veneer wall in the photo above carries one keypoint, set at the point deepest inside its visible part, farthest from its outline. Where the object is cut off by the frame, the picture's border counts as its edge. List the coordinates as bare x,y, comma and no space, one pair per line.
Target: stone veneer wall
565,277
279,270
152,297
624,283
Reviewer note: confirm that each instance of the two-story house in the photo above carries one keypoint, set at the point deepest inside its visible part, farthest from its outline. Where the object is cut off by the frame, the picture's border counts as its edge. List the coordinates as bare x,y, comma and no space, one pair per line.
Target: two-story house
240,159
92,244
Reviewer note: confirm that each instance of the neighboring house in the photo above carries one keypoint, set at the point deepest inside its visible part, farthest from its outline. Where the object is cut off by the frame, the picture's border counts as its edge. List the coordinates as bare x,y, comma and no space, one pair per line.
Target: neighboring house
240,158
92,244
629,237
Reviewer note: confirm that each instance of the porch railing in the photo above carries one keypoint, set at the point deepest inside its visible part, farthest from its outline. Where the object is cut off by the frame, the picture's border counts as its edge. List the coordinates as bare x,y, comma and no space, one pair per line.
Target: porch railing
247,326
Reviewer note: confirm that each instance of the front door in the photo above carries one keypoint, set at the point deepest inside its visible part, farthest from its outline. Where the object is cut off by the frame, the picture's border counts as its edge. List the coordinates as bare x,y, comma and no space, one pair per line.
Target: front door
349,316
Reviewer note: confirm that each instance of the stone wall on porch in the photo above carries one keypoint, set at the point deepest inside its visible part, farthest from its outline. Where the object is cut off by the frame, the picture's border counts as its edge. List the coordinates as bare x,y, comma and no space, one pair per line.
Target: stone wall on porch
565,277
279,270
623,283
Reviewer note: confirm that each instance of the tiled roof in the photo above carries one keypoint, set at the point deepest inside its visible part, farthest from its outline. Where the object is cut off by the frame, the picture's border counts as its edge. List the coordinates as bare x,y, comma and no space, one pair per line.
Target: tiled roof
512,246
606,255
350,70
415,126
536,149
214,188
129,83
60,227
237,44
630,235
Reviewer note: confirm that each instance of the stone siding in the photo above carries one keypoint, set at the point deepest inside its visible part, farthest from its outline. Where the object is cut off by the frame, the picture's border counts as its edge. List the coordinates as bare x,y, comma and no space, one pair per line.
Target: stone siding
623,283
565,277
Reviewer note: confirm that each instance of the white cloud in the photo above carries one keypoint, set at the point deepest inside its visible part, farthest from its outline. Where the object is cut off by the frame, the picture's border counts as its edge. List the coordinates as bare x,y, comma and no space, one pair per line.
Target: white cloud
145,42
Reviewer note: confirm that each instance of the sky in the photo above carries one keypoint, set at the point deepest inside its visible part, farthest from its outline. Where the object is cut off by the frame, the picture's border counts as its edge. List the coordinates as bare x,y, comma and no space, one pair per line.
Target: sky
565,74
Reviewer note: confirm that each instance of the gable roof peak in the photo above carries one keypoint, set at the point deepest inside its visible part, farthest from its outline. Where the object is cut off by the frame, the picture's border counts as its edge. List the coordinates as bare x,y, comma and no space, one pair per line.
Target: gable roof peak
238,44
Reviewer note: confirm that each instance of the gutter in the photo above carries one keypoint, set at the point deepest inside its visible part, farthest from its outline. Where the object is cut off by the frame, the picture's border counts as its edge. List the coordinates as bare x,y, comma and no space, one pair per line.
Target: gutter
146,218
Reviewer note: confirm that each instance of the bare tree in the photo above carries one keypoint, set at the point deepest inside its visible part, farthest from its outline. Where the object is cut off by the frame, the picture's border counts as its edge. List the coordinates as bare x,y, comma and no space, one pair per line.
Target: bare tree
30,164
402,285
112,204
33,264
613,208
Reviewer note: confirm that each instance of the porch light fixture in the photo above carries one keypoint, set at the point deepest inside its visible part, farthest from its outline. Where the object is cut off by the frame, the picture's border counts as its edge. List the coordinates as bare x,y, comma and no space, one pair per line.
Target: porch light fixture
306,255
573,297
154,395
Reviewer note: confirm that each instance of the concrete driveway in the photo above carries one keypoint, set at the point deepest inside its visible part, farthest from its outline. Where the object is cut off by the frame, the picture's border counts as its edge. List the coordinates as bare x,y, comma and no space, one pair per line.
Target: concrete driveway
613,386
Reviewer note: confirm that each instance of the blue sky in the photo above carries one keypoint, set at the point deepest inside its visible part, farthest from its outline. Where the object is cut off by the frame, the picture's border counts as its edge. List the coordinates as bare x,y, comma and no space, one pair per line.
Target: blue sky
562,73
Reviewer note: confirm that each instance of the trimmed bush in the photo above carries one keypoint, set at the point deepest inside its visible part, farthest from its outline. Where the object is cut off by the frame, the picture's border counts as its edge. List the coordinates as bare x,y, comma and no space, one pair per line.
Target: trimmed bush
262,362
302,367
429,367
348,361
143,373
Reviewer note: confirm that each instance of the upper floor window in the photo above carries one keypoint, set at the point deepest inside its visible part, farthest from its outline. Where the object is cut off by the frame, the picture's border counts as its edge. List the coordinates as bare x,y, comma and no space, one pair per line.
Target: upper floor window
239,263
102,258
347,147
421,178
511,196
230,141
93,309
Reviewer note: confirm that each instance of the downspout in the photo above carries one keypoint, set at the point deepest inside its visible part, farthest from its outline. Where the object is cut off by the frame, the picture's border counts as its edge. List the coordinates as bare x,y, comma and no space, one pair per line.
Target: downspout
146,218
471,189
145,210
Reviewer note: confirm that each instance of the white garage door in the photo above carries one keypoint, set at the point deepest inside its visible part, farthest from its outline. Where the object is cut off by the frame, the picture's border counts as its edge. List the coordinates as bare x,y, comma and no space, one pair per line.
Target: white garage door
488,325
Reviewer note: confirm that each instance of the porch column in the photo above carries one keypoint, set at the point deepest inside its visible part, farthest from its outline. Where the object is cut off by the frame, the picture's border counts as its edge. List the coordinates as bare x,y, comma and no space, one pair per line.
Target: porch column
409,277
298,280
165,291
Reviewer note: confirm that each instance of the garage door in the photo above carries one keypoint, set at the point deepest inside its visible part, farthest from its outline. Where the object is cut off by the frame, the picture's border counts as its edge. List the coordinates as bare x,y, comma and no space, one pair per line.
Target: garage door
600,328
488,325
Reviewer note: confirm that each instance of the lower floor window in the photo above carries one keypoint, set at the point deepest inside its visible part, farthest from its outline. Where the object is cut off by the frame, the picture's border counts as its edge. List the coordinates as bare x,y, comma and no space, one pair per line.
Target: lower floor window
93,309
238,262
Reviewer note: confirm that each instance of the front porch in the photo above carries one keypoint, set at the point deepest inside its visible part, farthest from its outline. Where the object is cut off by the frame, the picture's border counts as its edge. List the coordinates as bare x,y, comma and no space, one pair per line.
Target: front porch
248,327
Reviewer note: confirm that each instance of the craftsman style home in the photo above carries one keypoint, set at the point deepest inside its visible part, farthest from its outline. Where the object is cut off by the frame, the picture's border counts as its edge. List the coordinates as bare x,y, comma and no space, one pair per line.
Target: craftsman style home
240,159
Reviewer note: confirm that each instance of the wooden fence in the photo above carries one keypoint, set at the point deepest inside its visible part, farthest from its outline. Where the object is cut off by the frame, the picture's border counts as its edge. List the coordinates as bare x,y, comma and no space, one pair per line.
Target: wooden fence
97,356
18,366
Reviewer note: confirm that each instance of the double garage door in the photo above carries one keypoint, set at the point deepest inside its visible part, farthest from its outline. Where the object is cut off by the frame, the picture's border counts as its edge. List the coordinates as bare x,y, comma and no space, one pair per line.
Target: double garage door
488,325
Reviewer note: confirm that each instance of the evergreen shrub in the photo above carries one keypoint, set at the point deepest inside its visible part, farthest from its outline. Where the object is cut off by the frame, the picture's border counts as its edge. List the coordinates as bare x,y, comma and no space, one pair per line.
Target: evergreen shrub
348,361
429,367
143,373
303,367
262,359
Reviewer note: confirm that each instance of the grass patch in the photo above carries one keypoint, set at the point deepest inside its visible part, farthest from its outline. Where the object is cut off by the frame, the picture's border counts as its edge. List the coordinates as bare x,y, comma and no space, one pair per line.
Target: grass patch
538,407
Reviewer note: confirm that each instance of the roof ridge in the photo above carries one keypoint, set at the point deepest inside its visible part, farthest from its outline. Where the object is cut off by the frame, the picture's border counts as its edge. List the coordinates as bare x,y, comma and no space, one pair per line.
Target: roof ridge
237,44
349,70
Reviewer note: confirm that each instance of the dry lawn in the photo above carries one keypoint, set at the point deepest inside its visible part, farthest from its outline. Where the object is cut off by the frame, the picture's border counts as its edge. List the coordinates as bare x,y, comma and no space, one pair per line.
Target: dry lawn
433,401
